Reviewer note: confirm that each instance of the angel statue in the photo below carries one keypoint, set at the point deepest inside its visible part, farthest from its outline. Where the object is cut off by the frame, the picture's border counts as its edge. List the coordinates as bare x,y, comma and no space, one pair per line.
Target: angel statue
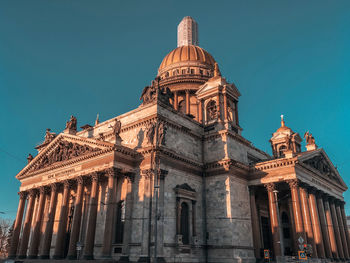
309,138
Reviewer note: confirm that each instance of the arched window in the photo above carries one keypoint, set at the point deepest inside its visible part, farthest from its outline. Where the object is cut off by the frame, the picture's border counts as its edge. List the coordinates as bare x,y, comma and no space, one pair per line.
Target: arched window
119,229
167,74
182,107
211,110
184,224
282,150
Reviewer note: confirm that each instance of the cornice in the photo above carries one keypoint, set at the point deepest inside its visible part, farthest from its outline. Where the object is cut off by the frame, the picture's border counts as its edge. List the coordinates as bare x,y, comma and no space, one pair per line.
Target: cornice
275,163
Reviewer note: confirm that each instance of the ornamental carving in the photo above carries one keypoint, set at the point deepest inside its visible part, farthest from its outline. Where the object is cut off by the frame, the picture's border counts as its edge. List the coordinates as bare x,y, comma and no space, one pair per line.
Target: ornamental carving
154,92
321,165
112,171
64,151
270,187
294,183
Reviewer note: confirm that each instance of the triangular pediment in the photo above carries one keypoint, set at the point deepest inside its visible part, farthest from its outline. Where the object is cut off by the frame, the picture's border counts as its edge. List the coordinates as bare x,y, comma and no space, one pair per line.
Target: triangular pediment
64,148
320,163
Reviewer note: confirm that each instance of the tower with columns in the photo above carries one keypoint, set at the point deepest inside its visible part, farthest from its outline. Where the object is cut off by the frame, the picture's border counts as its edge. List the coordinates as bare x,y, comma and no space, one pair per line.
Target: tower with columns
174,180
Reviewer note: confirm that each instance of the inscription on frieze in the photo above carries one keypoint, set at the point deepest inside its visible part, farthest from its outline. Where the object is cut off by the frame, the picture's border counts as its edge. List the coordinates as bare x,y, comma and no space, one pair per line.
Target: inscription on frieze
67,172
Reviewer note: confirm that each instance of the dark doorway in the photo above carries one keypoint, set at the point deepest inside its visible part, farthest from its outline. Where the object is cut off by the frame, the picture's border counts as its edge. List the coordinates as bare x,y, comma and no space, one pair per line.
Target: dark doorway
185,224
286,234
266,233
119,234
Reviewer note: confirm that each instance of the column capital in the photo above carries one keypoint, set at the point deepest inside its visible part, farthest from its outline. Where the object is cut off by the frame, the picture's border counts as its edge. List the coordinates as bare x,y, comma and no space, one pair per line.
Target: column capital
113,171
293,183
33,192
339,202
253,188
44,190
95,176
147,173
270,187
80,180
130,176
162,173
23,194
312,190
68,184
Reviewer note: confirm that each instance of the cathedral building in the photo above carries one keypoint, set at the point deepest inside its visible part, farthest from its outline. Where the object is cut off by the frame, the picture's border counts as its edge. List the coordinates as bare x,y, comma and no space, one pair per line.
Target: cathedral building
175,181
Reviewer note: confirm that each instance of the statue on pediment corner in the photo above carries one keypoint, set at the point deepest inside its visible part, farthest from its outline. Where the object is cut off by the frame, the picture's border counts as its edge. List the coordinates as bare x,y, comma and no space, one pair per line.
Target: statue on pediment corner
309,138
49,136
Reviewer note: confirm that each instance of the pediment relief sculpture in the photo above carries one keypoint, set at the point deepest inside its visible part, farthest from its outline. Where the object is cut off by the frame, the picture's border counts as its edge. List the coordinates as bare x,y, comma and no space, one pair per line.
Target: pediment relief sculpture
64,151
320,164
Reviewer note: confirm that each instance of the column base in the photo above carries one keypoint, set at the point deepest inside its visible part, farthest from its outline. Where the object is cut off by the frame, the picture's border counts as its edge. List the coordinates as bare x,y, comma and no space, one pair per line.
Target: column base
22,256
88,257
44,257
143,259
11,257
57,257
32,257
71,257
124,259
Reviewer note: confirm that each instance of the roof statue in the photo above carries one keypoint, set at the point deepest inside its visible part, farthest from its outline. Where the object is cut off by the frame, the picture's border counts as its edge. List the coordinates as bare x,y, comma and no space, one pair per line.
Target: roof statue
72,123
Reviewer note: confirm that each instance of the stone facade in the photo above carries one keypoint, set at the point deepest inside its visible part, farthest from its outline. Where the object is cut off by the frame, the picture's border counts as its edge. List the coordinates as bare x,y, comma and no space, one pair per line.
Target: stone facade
175,181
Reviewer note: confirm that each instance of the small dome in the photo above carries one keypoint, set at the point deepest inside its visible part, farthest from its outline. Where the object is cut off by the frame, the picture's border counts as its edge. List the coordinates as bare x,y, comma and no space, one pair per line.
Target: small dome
185,54
283,127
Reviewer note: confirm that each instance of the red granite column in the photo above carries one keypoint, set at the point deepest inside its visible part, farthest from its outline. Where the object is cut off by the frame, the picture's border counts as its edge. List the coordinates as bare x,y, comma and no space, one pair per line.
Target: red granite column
62,224
187,102
341,230
22,253
46,244
324,226
200,112
18,225
307,219
34,244
336,229
236,112
275,228
91,224
74,236
346,230
176,102
330,228
255,223
299,226
316,225
225,106
111,203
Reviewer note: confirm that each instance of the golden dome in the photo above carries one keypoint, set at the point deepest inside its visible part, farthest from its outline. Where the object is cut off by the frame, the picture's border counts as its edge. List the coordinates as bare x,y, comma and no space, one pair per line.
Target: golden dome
283,126
188,53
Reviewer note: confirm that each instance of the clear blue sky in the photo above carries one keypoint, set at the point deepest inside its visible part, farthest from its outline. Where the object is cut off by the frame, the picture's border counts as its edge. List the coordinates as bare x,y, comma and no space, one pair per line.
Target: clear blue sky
59,58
